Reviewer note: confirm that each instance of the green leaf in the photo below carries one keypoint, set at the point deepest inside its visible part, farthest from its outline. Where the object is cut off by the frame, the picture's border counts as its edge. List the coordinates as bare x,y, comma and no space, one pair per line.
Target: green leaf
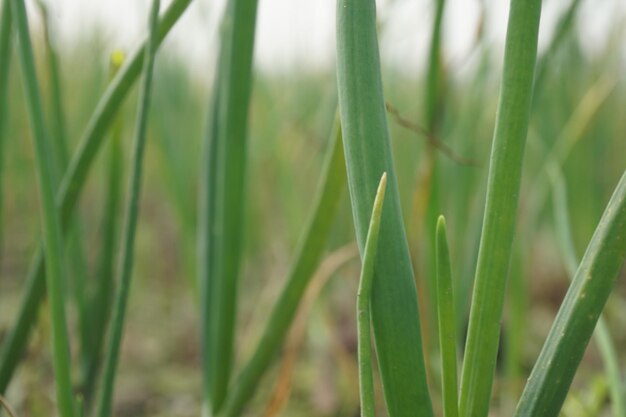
131,216
51,223
395,314
6,32
366,378
308,254
71,186
565,345
447,323
222,197
501,207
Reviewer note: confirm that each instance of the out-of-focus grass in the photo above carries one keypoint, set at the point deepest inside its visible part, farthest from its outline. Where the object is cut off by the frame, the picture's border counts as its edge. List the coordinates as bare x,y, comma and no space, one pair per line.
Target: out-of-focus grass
289,120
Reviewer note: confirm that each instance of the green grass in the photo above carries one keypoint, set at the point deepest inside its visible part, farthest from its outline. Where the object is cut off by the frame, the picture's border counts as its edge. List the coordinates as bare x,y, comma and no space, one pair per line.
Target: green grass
276,329
51,223
69,191
395,315
363,311
104,407
479,360
223,198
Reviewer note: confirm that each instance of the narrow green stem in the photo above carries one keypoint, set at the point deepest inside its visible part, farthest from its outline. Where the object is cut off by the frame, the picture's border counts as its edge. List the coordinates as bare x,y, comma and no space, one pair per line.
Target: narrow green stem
6,31
366,377
447,323
501,208
51,223
101,300
76,257
71,186
602,335
132,214
222,198
565,345
395,313
308,253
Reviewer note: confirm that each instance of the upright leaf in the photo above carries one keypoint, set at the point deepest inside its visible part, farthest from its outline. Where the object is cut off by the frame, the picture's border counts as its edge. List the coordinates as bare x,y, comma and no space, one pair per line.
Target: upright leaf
395,315
563,350
499,221
131,217
222,197
366,378
71,186
51,222
308,254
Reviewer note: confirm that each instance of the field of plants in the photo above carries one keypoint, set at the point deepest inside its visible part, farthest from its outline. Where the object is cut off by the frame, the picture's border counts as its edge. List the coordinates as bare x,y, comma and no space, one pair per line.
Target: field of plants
360,240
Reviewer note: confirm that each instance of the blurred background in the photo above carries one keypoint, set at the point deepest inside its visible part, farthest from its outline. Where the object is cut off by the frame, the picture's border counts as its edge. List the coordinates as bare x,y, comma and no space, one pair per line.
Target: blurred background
578,115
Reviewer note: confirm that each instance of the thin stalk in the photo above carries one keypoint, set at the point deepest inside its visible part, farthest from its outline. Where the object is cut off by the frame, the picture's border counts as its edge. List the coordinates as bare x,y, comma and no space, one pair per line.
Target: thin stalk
76,258
395,313
366,377
426,196
101,300
222,198
564,26
308,254
447,323
131,216
565,345
501,207
602,335
71,186
51,224
6,30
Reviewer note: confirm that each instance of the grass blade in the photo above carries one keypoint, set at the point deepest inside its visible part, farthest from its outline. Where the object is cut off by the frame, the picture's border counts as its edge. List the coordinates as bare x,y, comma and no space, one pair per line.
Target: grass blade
602,335
366,377
132,214
395,313
51,223
223,196
102,298
70,189
6,31
308,254
447,323
501,207
562,352
76,259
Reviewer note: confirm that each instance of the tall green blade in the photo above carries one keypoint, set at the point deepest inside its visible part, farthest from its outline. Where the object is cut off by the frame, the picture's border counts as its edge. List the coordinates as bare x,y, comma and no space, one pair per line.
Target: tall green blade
308,254
6,31
602,335
131,216
222,194
75,257
565,345
395,313
51,222
366,376
505,168
447,323
70,189
101,300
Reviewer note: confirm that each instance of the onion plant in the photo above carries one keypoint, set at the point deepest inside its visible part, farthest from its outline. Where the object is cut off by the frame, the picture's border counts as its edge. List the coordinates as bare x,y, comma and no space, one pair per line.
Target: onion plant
494,255
6,32
308,254
131,216
51,222
366,379
70,188
358,154
223,185
395,315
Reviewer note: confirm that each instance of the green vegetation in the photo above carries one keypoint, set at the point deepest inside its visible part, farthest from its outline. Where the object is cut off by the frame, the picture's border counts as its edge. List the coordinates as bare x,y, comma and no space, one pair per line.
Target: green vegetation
239,228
